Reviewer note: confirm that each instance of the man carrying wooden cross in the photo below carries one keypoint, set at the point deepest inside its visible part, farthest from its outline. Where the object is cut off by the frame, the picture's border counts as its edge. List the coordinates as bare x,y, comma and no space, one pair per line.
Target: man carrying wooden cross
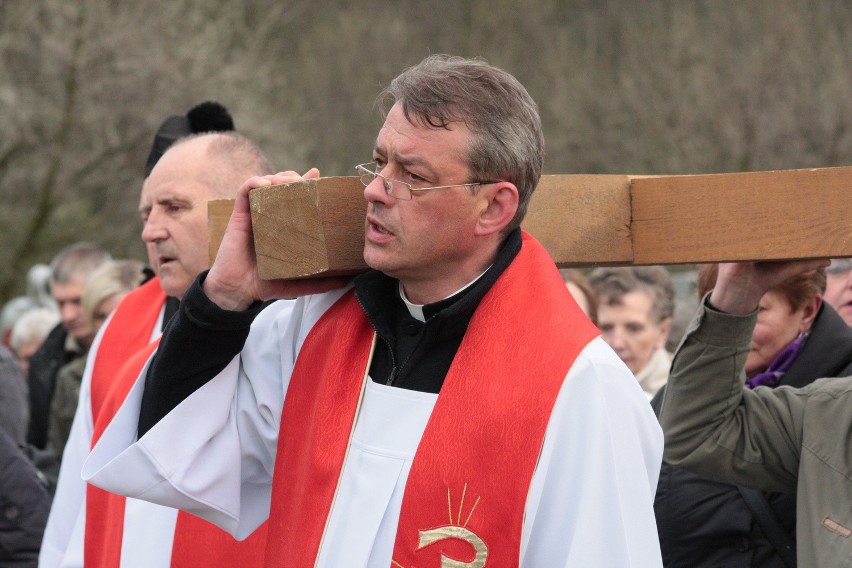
451,407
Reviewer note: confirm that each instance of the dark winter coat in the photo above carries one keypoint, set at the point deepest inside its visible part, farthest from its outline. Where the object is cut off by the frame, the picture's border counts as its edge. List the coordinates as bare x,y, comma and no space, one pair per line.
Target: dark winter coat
14,403
24,505
44,364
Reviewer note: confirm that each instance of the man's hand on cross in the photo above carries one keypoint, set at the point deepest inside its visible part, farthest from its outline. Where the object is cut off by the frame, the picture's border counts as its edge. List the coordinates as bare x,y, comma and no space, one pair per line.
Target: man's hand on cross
233,282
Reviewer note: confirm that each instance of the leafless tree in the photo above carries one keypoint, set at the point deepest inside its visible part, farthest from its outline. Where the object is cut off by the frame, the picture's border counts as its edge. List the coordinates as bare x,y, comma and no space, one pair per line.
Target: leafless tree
664,86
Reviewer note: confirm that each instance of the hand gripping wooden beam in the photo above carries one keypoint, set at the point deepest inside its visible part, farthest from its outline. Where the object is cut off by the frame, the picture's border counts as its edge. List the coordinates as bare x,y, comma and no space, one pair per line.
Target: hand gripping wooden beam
316,227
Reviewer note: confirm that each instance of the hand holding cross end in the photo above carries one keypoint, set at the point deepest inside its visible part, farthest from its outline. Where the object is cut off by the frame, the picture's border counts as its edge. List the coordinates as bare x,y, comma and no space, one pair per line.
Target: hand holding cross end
233,282
740,285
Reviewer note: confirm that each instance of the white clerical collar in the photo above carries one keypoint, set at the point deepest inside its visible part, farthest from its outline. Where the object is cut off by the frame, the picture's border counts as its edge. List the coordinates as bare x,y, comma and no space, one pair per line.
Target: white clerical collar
416,310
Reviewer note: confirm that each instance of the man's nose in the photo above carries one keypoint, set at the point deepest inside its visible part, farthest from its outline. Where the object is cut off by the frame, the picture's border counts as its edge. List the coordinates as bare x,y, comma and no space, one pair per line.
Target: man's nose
376,192
153,230
69,311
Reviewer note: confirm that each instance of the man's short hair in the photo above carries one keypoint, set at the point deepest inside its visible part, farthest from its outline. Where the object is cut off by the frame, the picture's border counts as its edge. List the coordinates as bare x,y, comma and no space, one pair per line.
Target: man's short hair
612,283
235,158
76,260
507,142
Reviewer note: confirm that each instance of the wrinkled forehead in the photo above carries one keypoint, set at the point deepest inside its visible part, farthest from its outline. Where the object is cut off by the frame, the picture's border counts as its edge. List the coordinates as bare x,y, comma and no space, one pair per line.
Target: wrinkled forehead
411,142
189,186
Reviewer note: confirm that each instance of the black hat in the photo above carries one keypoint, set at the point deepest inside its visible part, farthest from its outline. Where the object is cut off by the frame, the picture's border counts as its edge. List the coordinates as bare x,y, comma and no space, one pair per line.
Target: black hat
206,117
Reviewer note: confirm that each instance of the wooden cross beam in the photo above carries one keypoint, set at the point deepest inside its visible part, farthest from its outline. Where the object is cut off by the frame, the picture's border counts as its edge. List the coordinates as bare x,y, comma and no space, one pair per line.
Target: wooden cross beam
316,227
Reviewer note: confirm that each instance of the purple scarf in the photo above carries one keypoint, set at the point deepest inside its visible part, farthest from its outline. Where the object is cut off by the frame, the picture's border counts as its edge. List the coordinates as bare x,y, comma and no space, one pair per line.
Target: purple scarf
779,365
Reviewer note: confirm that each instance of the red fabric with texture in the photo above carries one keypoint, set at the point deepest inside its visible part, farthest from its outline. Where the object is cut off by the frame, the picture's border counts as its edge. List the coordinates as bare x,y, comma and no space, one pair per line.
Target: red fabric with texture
129,331
317,420
125,348
200,543
507,374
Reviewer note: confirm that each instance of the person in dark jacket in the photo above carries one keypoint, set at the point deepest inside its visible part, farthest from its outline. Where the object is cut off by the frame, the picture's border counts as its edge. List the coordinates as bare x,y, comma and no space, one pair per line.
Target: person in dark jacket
24,504
69,340
14,411
704,523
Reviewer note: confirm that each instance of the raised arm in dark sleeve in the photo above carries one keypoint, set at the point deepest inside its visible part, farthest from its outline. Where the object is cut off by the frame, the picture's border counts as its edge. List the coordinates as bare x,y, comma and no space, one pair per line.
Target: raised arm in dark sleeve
199,341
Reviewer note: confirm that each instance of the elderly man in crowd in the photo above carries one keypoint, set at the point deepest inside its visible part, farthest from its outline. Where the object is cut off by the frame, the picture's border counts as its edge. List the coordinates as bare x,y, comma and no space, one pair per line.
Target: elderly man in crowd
194,158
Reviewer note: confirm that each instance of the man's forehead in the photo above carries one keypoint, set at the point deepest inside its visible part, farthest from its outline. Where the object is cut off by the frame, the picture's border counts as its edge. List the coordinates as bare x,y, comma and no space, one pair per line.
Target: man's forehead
183,162
396,124
71,289
181,187
415,144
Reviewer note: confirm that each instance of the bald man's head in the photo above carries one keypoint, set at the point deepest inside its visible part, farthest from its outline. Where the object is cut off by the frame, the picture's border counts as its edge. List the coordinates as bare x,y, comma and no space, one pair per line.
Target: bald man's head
174,200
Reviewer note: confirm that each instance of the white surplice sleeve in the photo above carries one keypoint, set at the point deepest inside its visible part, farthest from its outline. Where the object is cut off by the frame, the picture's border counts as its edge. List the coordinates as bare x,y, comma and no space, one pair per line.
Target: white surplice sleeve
213,455
591,501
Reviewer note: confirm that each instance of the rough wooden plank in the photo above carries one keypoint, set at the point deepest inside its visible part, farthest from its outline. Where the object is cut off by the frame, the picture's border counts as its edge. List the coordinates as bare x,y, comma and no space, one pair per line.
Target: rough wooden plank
309,228
744,216
316,227
582,219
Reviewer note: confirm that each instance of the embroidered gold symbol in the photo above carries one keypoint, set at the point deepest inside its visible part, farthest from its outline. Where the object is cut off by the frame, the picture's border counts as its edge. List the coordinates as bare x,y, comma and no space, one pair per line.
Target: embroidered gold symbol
458,531
451,531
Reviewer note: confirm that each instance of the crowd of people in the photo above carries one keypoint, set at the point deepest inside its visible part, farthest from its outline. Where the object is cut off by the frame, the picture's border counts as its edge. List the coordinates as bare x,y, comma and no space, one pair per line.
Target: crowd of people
462,403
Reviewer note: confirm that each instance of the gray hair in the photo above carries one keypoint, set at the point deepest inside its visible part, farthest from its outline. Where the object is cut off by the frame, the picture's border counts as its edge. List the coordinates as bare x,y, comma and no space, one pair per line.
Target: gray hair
12,312
612,283
34,324
507,142
76,260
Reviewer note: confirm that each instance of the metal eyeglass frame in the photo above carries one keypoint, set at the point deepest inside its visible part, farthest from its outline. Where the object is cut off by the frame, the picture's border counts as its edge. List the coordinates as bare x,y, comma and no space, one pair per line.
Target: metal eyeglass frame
367,176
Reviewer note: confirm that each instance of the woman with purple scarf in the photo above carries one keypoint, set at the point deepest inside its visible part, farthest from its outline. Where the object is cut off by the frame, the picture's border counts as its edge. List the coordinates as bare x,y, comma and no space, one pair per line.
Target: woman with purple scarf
798,338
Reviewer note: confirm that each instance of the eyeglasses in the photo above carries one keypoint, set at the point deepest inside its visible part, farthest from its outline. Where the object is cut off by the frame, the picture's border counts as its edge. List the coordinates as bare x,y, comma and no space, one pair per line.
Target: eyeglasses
839,266
400,189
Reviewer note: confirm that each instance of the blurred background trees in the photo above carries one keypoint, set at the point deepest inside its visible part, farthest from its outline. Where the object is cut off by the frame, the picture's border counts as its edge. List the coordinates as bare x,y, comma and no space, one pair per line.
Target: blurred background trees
662,86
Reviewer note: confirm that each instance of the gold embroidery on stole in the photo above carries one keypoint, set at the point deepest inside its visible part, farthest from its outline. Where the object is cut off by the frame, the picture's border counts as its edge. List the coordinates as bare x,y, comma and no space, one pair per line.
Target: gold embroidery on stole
453,531
456,531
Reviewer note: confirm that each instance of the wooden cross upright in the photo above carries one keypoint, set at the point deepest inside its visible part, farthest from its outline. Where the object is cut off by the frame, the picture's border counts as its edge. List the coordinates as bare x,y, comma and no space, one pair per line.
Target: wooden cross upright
316,227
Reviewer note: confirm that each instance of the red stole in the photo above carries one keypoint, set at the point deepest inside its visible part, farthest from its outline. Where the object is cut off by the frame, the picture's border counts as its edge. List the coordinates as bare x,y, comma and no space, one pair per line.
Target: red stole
466,492
125,347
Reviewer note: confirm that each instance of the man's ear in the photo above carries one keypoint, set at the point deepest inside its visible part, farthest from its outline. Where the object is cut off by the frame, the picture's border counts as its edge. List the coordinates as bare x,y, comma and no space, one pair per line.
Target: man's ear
500,203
